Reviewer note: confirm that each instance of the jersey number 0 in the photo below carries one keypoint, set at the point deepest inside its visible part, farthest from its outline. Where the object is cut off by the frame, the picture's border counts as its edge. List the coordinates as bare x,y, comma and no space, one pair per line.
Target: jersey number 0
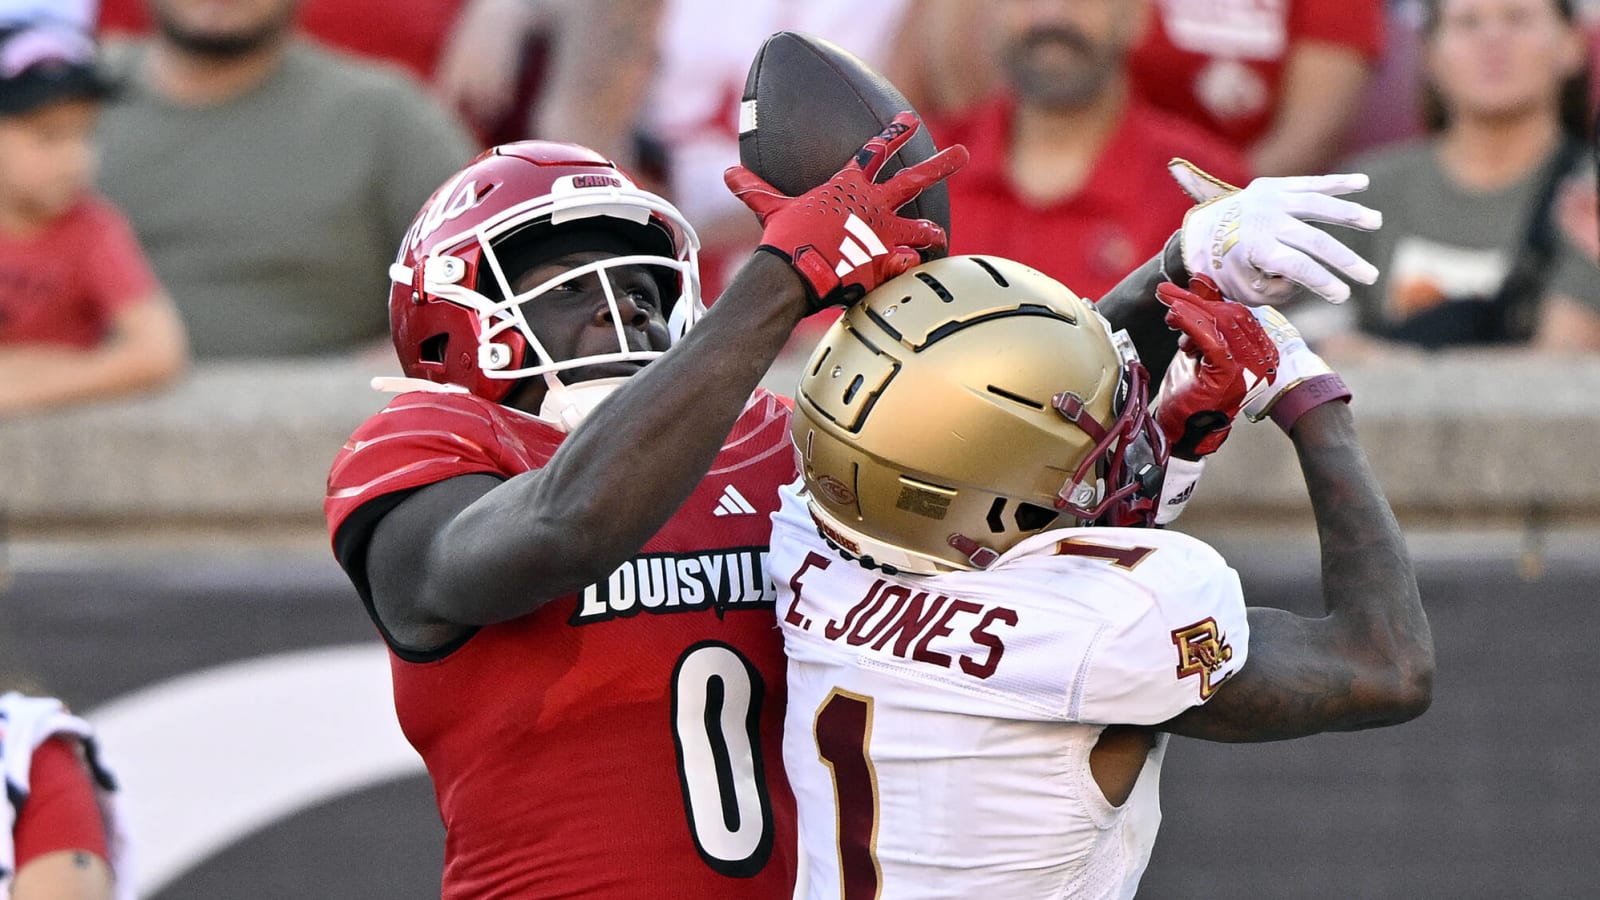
716,714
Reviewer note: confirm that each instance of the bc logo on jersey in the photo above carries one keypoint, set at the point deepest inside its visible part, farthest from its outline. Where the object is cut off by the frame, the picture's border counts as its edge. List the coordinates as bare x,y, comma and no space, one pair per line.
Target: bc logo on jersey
672,583
1202,649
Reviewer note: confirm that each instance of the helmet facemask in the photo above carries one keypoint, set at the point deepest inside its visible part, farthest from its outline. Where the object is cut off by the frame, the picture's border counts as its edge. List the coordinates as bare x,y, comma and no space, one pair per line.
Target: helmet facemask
1119,482
570,394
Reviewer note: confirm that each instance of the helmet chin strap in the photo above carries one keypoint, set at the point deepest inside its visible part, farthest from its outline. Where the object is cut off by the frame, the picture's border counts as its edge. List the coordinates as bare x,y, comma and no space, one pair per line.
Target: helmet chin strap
566,406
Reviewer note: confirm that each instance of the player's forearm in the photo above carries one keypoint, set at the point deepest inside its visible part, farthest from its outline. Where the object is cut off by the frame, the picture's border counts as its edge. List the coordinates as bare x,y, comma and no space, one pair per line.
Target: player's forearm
1132,305
621,475
1369,661
1375,620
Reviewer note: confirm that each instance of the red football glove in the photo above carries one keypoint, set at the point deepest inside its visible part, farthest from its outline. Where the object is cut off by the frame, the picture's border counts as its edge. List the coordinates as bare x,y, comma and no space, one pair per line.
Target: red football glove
843,237
1225,359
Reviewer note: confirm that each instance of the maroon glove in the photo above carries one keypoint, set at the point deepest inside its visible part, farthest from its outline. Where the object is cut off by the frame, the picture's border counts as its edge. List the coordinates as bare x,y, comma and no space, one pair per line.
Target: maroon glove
843,237
1225,358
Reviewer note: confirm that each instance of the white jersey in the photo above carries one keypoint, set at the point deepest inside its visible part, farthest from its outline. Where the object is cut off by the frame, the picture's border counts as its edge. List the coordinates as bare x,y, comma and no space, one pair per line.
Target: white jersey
939,728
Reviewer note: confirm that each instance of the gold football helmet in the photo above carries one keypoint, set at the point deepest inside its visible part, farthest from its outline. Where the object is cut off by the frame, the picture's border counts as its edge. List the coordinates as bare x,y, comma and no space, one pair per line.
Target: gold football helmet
966,405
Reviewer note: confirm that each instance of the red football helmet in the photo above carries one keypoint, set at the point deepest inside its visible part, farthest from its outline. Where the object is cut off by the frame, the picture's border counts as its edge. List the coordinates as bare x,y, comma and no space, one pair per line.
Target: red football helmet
455,317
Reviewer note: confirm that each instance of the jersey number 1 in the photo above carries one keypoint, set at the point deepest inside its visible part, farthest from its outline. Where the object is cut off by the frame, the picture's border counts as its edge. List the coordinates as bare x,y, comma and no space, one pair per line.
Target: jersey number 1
843,728
716,714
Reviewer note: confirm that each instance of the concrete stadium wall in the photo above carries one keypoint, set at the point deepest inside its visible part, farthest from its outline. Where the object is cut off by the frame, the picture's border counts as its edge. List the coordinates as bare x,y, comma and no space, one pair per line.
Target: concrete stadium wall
1477,440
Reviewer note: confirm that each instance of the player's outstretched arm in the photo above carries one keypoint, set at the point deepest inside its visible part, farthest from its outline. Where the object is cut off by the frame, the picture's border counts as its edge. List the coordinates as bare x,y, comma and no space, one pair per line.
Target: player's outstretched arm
1257,243
1368,661
475,551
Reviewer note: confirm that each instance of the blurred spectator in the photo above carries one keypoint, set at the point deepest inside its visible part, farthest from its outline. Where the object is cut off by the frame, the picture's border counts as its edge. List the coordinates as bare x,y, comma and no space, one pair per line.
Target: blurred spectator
1279,79
81,314
270,180
411,33
1069,166
651,84
1588,14
79,13
568,70
58,837
706,47
1478,246
939,61
1391,102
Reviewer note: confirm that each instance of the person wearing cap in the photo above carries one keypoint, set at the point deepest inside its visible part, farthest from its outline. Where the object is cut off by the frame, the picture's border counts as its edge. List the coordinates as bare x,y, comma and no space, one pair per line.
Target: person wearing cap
269,177
82,315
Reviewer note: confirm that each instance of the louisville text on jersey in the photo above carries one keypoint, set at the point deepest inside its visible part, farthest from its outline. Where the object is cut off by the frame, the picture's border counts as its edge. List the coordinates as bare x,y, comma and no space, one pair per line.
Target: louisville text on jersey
679,582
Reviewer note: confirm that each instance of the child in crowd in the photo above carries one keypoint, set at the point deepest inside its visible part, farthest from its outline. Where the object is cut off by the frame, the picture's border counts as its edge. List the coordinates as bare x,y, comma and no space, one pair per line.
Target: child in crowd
82,315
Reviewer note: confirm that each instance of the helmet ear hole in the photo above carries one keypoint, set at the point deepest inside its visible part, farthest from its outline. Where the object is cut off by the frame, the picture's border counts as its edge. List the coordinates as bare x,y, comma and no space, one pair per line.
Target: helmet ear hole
433,349
997,509
1035,518
1028,517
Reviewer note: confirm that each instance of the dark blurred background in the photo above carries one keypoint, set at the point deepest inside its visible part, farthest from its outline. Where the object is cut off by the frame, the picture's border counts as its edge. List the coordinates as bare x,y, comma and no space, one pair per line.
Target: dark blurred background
1491,794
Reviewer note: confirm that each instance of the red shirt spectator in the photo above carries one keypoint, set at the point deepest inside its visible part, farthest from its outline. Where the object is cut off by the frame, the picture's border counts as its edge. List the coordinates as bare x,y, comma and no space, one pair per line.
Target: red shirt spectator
65,284
408,32
1089,239
1222,63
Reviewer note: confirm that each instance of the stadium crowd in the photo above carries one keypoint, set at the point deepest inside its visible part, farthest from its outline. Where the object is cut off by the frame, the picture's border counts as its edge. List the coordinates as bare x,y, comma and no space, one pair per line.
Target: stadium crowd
266,160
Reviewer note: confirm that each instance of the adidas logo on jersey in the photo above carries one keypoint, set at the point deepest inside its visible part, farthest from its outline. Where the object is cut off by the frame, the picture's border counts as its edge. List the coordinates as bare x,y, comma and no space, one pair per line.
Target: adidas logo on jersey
857,254
733,503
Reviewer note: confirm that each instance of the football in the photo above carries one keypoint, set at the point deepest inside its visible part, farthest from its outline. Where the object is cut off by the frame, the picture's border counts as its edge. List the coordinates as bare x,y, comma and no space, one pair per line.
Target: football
809,105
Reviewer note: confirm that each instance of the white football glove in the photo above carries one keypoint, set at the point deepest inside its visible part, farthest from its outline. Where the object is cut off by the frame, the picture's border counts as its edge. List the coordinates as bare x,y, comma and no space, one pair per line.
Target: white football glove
1302,381
1255,243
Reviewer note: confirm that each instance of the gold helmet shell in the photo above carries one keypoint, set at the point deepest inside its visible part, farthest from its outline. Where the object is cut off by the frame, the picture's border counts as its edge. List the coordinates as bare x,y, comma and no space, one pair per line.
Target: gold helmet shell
966,405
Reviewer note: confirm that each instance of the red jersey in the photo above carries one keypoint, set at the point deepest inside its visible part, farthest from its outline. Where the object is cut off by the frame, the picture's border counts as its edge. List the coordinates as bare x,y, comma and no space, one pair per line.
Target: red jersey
1220,63
411,33
66,284
622,742
1088,240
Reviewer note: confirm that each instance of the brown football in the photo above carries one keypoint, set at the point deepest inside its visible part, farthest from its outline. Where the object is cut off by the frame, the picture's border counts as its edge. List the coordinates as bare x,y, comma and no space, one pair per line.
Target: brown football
809,105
